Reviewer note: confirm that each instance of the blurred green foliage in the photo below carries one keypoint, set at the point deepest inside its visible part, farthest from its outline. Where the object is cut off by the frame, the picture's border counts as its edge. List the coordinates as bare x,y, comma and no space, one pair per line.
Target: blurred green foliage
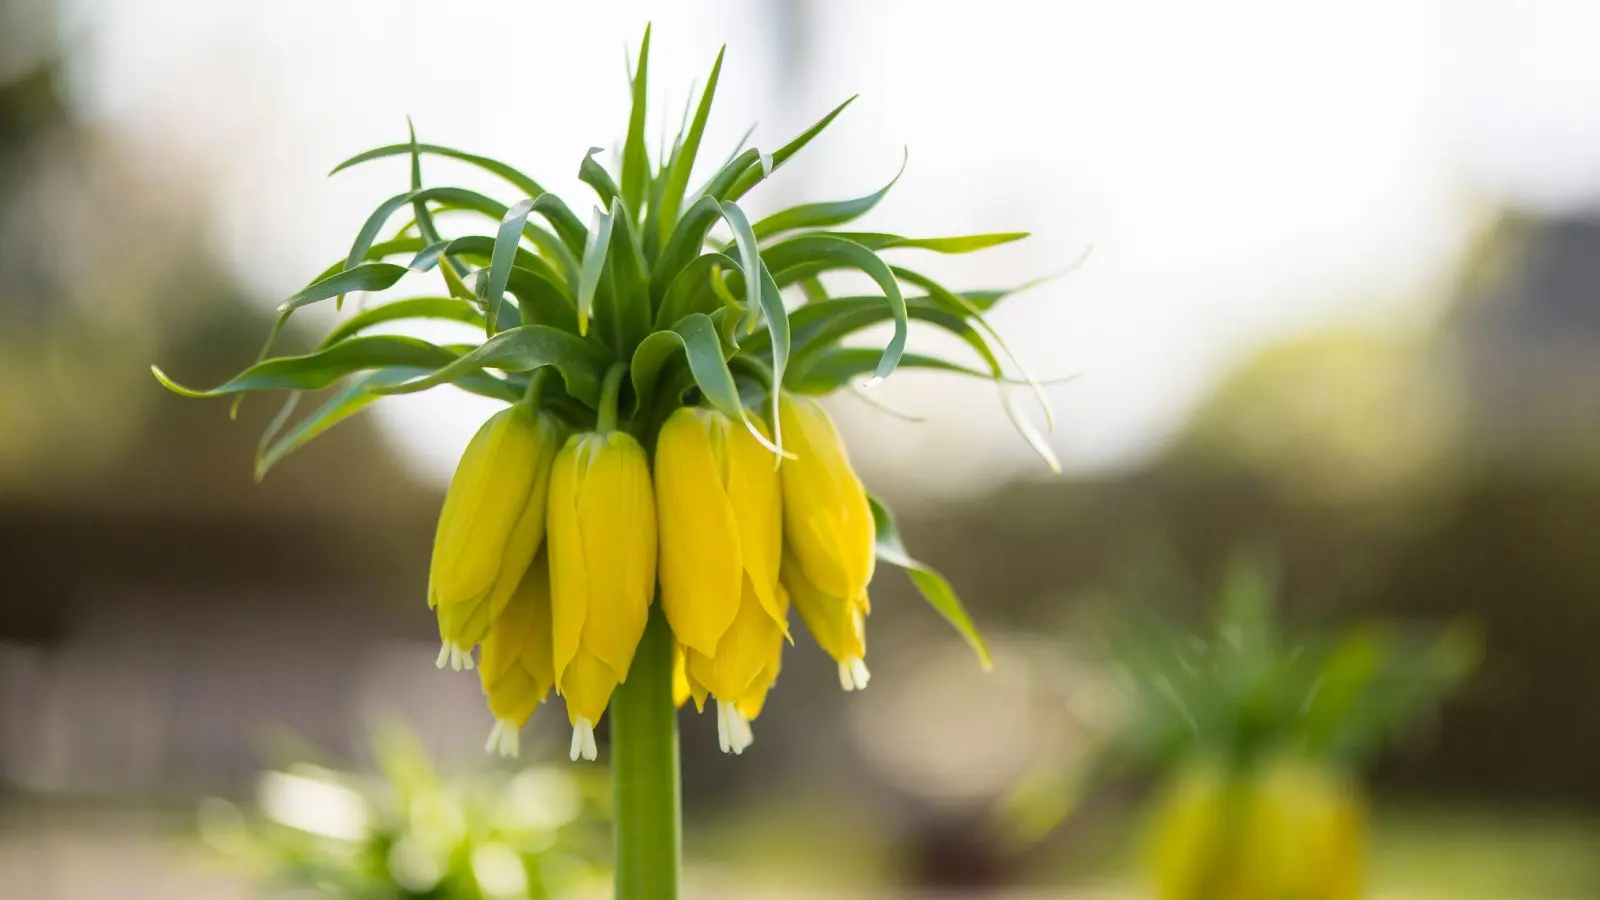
410,832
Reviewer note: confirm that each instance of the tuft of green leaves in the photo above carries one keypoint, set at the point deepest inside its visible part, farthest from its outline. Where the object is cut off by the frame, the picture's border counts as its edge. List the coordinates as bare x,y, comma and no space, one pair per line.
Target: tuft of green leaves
696,315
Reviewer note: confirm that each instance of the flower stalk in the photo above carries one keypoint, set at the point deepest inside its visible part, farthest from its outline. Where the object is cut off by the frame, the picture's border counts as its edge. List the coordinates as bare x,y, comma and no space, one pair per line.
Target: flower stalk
647,812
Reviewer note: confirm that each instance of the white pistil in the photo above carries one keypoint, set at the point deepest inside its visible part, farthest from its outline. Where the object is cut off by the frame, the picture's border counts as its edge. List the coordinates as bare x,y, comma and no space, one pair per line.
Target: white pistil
583,740
504,739
853,674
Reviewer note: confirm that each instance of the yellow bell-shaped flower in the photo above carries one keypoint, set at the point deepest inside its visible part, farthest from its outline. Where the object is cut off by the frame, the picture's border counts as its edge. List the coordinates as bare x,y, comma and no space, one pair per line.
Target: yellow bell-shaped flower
838,623
602,523
491,526
1286,829
742,669
718,505
517,669
827,523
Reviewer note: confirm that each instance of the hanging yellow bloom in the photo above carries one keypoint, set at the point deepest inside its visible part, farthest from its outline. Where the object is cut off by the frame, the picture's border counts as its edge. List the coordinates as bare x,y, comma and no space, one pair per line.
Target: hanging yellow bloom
718,505
516,668
1287,829
602,523
491,526
827,522
838,623
742,669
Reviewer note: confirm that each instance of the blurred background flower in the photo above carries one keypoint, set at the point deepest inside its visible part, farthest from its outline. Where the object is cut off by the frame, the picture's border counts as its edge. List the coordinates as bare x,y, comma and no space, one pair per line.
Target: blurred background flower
1340,295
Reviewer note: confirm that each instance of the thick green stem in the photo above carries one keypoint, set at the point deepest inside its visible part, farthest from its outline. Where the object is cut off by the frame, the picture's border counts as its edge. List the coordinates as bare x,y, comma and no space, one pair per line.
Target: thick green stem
644,771
610,394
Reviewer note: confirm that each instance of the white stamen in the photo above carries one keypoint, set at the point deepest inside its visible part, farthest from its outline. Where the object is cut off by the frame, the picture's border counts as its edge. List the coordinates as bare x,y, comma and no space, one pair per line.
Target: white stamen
853,674
504,739
858,668
733,729
444,656
583,740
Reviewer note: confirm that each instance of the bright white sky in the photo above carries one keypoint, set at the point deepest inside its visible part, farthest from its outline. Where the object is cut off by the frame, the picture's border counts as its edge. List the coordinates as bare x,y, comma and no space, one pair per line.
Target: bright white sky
1243,169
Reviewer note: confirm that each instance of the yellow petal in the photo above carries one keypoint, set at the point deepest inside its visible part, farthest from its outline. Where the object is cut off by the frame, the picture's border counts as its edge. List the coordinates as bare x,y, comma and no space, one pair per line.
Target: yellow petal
569,582
754,493
700,543
617,526
744,651
587,685
827,521
518,648
498,476
837,623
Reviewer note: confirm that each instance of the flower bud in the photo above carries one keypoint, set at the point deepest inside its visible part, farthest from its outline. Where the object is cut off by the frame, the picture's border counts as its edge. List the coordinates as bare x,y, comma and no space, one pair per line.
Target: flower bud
516,667
492,523
837,623
602,522
827,523
720,515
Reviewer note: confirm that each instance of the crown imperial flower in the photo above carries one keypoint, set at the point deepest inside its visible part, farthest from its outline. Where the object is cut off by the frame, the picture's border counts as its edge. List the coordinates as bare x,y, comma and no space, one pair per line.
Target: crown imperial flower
492,524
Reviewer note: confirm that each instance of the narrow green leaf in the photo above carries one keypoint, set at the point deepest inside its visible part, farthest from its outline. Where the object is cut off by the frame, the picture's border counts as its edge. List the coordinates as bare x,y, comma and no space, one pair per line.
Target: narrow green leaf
691,291
351,399
377,252
683,159
594,262
316,371
824,215
370,228
445,308
595,176
836,367
622,307
683,246
933,586
541,299
753,176
961,244
461,198
581,364
962,306
635,157
505,247
522,182
721,184
372,276
761,292
797,257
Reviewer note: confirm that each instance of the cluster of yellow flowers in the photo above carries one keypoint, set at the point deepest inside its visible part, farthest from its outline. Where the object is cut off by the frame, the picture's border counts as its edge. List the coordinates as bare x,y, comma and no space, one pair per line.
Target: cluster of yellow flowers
550,548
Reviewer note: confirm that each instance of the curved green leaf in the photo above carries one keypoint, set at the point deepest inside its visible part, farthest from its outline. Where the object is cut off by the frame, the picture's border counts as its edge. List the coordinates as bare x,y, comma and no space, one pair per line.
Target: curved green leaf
691,290
581,364
836,367
595,176
446,308
960,244
750,177
377,252
594,263
317,370
823,215
541,299
933,586
372,276
522,182
505,247
798,256
348,401
461,198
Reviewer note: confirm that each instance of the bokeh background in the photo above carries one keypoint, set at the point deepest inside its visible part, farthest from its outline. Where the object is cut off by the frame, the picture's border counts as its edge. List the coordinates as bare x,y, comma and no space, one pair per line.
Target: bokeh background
1341,298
